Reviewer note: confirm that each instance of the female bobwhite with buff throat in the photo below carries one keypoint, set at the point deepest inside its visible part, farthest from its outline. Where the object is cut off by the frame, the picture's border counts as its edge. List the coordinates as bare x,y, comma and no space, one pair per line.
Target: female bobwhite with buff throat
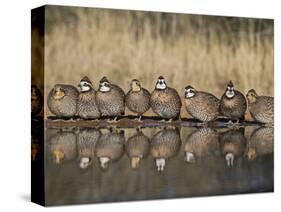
261,107
138,99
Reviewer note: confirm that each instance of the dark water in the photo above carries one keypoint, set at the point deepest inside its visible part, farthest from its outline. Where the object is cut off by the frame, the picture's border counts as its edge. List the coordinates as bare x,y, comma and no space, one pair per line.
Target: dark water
184,162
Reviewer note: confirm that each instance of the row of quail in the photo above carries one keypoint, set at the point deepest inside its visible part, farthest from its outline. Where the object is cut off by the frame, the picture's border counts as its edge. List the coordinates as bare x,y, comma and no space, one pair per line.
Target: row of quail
110,100
233,104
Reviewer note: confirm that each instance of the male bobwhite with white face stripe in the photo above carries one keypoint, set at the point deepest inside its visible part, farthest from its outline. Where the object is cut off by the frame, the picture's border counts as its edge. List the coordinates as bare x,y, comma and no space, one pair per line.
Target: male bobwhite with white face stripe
110,99
233,103
201,105
165,101
87,107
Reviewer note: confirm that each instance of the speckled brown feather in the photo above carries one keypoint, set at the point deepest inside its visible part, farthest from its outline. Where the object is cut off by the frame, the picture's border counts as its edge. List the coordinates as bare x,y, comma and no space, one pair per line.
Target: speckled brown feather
67,106
165,143
262,110
87,107
111,103
138,101
234,107
202,142
203,106
166,103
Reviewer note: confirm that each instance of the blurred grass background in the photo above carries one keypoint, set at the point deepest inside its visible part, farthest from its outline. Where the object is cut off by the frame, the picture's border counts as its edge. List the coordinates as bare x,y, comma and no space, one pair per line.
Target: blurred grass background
204,51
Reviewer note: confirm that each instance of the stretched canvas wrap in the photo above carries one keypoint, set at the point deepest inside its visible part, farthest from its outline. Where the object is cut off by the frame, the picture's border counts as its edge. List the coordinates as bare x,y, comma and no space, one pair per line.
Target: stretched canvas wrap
136,105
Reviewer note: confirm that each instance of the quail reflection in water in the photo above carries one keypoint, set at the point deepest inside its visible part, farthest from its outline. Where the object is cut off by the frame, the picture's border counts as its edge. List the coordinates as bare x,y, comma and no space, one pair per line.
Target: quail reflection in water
137,148
260,143
201,143
233,143
63,146
87,139
164,145
110,147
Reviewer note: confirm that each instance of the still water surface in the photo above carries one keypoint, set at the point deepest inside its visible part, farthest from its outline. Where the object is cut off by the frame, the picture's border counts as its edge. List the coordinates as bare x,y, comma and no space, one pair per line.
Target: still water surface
103,165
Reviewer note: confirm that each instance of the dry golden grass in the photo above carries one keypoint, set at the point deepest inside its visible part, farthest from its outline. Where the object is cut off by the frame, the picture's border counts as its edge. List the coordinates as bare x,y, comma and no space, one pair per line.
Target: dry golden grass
185,49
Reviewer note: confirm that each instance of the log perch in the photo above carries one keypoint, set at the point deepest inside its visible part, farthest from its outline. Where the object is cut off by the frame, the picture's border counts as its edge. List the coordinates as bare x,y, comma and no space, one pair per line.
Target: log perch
131,122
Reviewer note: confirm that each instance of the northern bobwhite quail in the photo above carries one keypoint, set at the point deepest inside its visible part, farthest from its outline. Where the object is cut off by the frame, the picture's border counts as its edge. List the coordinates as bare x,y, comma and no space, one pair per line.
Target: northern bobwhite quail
86,142
62,100
110,99
164,145
260,107
87,107
165,101
201,143
138,98
233,103
137,148
201,105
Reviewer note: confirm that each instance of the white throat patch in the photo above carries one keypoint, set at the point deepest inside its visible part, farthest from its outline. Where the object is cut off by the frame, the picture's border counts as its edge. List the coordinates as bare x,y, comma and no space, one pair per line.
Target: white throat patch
189,94
84,88
104,88
161,86
229,94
